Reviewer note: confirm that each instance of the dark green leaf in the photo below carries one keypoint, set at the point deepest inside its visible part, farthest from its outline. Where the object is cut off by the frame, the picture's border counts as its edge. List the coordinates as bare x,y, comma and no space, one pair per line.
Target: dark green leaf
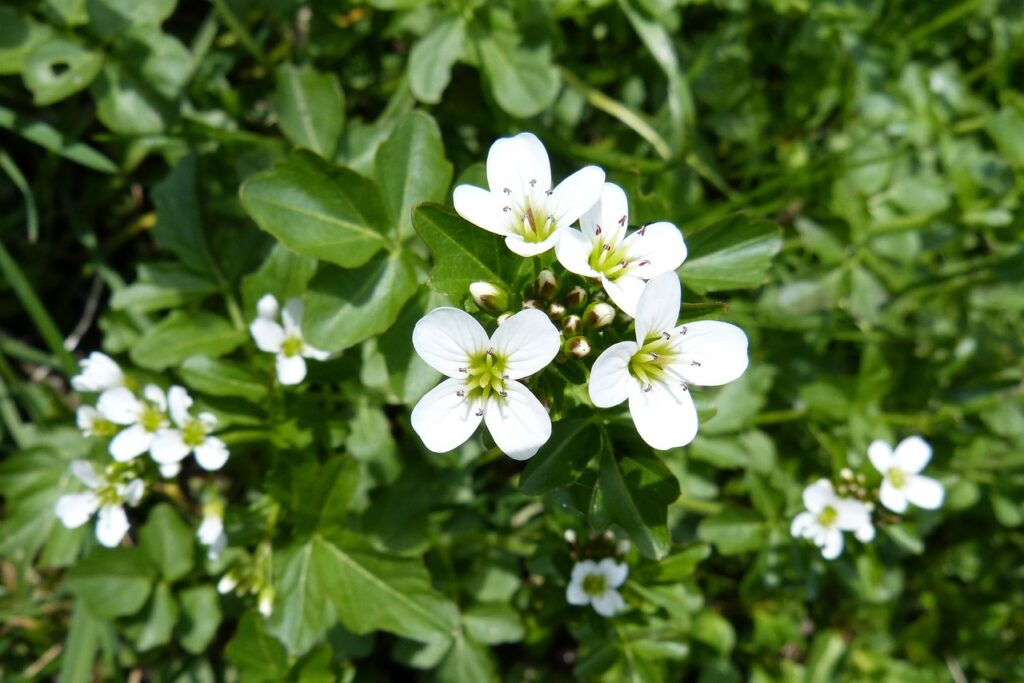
637,491
179,225
432,57
58,68
200,618
734,531
258,656
112,582
168,542
310,107
181,335
218,377
560,461
733,254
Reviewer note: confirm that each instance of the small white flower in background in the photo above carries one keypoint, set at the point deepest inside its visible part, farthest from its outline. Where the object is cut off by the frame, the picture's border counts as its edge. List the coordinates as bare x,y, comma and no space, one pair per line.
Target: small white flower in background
902,481
107,497
520,205
227,583
142,417
595,583
828,516
99,372
191,435
93,424
482,384
656,371
211,529
623,264
266,601
286,341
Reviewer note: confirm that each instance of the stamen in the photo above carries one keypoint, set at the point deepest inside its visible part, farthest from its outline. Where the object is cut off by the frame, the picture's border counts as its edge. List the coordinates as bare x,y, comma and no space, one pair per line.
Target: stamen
668,335
597,229
695,364
548,192
645,262
649,388
607,247
480,412
460,393
507,190
685,386
654,355
684,329
503,394
506,208
463,370
642,231
622,221
533,182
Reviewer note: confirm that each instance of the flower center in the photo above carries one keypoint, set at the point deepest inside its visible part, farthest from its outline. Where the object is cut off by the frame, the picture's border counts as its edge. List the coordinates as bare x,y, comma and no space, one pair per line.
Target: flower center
486,375
151,419
103,427
611,260
595,584
532,222
652,362
897,477
193,433
828,516
292,346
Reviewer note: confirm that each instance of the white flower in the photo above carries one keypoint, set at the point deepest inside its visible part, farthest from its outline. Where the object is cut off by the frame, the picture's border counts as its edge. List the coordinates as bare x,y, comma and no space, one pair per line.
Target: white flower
143,418
92,423
191,436
211,530
482,382
595,583
227,583
657,370
108,497
602,249
900,469
285,341
828,516
265,604
98,372
521,206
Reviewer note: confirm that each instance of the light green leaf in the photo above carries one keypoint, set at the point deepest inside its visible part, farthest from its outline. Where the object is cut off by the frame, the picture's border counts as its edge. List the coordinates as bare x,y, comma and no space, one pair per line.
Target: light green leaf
161,286
636,492
154,625
200,618
432,57
19,35
561,460
111,17
715,631
522,79
734,531
258,656
80,646
674,568
302,614
467,661
320,495
310,107
732,254
493,624
112,582
183,334
168,542
284,274
57,68
218,377
1006,127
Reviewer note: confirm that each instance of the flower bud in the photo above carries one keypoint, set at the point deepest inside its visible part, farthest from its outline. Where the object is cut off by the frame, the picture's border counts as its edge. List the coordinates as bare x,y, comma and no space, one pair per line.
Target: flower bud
488,297
556,310
533,303
546,285
577,347
598,315
575,298
572,325
227,583
502,318
570,536
266,601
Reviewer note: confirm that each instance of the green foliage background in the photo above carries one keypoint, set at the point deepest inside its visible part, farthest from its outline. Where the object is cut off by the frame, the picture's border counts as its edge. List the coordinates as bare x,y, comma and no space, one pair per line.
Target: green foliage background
847,177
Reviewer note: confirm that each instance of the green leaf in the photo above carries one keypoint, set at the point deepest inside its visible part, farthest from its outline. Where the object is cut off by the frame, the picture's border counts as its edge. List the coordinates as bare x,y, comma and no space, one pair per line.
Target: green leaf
48,137
112,582
319,210
181,335
161,286
111,17
411,168
302,614
467,661
310,107
715,631
284,274
1006,127
19,35
80,646
561,461
463,253
200,618
153,627
432,57
521,78
58,68
346,307
321,494
734,531
168,542
732,254
258,656
30,482
218,377
493,624
636,492
179,224
674,568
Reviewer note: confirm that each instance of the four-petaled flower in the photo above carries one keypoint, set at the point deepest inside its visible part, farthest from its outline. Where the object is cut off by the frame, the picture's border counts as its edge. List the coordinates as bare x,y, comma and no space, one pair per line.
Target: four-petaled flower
901,481
286,341
828,516
105,495
482,384
657,370
99,372
521,206
595,583
602,249
191,435
144,418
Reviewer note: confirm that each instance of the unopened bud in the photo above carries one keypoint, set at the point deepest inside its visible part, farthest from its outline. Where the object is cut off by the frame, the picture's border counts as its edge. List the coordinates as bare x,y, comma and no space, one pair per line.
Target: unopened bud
598,315
266,601
227,583
575,298
577,347
546,285
622,547
570,536
502,318
488,297
556,311
572,325
846,473
533,303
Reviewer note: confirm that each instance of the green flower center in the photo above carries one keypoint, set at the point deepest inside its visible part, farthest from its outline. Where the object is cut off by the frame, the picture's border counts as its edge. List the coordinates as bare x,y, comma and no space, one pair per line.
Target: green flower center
193,433
651,362
103,427
595,584
897,477
292,346
611,261
151,419
828,516
485,375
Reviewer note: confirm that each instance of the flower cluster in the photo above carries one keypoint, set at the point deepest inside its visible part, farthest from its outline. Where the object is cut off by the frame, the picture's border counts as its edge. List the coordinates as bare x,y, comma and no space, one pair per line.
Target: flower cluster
283,338
107,494
634,270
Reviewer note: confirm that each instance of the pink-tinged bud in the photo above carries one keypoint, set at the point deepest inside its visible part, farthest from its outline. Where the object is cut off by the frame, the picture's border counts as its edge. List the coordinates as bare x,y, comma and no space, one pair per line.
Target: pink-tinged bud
488,297
546,285
502,318
556,311
572,325
599,315
533,303
577,347
575,298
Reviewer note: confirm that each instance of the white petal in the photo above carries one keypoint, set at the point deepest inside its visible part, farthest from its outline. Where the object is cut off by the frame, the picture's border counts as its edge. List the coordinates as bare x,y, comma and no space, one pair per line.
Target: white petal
482,208
156,396
212,454
833,544
655,249
912,454
98,373
131,492
818,495
866,533
130,443
315,353
85,418
625,292
575,195
614,573
658,308
119,405
516,161
852,514
575,595
267,307
573,252
180,402
712,353
611,213
802,524
75,509
609,378
291,316
446,338
609,604
267,334
518,423
528,341
85,473
526,249
291,370
210,529
892,497
168,447
209,420
880,455
582,570
664,416
924,492
443,419
111,525
170,470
